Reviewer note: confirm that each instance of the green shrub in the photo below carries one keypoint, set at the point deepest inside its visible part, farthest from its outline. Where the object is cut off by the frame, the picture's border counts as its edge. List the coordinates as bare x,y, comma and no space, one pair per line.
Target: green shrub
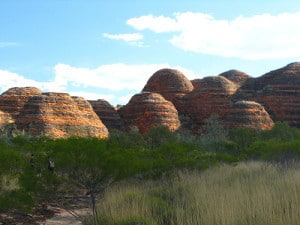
275,150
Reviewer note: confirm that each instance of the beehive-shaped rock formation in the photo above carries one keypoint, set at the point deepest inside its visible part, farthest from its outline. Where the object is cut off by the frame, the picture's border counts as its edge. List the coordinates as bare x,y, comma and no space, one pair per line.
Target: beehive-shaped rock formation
278,91
172,85
236,76
212,95
59,115
13,100
248,114
108,114
146,110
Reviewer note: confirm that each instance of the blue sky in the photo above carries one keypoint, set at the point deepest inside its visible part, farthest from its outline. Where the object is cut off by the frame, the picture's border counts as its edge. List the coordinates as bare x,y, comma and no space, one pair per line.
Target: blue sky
109,49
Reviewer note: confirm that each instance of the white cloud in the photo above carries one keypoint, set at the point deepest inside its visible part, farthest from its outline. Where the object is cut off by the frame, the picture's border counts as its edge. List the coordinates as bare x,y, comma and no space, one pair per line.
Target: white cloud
125,37
92,96
134,39
114,77
115,82
9,79
258,37
157,24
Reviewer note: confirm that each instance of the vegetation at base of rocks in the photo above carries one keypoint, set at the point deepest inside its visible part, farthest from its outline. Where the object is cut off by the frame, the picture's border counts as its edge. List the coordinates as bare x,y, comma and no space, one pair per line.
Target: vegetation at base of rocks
89,166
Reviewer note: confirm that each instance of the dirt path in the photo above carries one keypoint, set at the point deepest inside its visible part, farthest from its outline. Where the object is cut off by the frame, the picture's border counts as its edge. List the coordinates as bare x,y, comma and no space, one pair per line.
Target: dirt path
65,217
51,214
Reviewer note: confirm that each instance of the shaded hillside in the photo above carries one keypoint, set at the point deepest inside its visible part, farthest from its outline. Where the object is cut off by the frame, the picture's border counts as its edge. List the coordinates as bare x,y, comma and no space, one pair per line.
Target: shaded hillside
108,114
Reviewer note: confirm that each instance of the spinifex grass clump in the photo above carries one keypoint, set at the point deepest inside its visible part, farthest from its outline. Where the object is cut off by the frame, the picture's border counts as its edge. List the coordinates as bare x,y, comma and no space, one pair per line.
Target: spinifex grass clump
249,193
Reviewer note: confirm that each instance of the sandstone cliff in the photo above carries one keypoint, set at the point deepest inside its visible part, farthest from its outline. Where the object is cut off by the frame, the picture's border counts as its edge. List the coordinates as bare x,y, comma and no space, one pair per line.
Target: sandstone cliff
146,110
108,114
58,115
248,114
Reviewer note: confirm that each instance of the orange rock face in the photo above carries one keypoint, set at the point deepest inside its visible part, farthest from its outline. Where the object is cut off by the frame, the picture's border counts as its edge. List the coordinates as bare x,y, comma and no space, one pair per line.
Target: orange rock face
172,85
5,118
146,110
212,95
13,100
248,114
108,114
278,91
59,115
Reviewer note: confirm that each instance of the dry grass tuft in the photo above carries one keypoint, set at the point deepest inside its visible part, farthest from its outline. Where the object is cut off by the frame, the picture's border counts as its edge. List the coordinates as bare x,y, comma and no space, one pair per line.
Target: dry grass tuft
248,193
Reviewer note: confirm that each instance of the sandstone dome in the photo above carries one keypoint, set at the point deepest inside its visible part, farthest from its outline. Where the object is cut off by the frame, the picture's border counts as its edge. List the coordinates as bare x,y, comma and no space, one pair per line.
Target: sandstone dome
168,82
236,76
248,114
173,85
278,91
212,95
59,115
13,100
146,110
217,84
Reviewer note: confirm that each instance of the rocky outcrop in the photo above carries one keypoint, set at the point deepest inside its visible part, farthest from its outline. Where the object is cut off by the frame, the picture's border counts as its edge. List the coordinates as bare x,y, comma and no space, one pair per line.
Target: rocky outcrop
212,95
248,114
13,100
172,85
59,115
236,76
108,114
278,91
146,110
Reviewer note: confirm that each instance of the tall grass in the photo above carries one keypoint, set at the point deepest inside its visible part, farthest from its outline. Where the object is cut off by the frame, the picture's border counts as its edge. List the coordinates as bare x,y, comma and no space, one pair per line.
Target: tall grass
253,193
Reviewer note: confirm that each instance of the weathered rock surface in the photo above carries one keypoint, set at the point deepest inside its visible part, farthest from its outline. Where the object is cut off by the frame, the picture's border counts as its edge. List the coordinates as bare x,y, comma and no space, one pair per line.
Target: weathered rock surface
236,76
13,100
212,95
146,110
108,114
248,114
5,118
172,85
278,91
59,115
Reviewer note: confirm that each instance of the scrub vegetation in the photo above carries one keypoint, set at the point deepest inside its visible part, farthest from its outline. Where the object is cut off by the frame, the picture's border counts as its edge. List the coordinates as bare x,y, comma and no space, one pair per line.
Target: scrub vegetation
241,176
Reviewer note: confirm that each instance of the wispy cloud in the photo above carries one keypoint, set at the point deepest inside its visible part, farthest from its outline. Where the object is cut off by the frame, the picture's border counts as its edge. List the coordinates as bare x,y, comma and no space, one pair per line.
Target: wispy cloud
132,38
4,44
257,37
124,37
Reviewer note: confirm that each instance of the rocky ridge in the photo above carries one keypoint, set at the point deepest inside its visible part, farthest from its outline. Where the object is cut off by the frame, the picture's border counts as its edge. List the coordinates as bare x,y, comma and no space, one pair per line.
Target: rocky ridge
168,99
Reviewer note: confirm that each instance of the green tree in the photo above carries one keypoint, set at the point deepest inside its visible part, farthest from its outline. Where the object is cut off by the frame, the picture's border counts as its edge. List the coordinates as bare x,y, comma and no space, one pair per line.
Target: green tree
213,135
88,164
